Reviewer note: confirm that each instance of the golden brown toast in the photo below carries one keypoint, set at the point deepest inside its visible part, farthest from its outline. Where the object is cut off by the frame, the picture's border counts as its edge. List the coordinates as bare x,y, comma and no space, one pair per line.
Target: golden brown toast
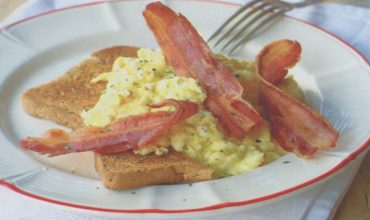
63,99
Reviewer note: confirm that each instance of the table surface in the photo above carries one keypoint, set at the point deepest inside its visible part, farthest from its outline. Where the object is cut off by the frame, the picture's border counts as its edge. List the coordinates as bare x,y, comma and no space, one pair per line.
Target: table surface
356,202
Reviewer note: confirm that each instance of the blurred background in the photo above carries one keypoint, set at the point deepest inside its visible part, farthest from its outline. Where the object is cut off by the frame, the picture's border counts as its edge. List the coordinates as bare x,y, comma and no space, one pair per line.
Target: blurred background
7,6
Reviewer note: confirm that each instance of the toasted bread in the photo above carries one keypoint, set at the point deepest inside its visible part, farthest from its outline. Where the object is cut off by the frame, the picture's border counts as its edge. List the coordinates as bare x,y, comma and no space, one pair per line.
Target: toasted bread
63,99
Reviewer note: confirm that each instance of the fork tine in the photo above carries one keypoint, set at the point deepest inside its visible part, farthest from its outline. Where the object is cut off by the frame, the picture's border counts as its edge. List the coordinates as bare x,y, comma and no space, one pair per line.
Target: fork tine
238,12
257,27
247,15
248,24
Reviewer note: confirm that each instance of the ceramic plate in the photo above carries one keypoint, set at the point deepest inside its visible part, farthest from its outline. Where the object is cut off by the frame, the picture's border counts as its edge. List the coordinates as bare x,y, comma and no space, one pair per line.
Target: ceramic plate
335,78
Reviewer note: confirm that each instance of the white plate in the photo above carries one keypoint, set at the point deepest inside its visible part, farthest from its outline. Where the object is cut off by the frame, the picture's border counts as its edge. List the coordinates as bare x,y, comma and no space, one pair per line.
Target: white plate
335,78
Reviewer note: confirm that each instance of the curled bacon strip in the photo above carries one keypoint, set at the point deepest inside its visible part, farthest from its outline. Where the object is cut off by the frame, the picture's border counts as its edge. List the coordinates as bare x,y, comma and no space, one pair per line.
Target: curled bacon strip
133,132
190,56
295,126
276,58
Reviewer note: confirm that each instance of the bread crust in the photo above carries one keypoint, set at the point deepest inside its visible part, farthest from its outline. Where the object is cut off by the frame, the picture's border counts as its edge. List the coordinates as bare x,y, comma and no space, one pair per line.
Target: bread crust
62,100
172,167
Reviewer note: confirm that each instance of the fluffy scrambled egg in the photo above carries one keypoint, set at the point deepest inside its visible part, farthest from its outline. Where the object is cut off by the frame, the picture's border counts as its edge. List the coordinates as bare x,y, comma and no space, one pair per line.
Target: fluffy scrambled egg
134,83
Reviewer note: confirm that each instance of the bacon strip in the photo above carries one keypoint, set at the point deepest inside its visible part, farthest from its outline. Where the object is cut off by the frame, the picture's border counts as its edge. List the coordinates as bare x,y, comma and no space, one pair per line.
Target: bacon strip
190,56
295,126
133,132
276,58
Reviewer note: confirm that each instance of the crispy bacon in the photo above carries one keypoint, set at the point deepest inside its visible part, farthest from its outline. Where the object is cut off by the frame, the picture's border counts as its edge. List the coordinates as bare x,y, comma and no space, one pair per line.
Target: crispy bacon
295,126
133,132
276,58
190,56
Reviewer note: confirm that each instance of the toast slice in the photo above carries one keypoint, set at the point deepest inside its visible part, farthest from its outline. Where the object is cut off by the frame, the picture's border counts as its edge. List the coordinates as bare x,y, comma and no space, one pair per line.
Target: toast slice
62,100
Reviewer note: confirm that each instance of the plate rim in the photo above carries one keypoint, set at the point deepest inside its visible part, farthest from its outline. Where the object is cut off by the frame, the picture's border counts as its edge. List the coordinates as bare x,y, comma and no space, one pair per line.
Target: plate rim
221,205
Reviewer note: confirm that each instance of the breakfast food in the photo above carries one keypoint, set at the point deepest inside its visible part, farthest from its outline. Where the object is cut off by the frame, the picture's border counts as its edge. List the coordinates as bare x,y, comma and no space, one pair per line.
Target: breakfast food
62,101
297,128
191,115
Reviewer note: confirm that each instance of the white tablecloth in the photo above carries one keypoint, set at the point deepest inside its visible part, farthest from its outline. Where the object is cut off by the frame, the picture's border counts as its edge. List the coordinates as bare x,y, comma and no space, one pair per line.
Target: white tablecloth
349,22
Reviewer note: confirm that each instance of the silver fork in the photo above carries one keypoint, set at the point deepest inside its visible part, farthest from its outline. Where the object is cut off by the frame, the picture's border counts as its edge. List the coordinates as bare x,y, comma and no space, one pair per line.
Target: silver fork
248,21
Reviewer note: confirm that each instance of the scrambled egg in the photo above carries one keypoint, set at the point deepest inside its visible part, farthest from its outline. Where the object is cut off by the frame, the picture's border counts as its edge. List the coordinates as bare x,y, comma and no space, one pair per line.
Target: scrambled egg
134,83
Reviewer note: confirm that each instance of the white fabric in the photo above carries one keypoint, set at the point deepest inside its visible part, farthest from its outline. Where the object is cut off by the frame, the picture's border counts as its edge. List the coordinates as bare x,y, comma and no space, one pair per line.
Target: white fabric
317,203
350,23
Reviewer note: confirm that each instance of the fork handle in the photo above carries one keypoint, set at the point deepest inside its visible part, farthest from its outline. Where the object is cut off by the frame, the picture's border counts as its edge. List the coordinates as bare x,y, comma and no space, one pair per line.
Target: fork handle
305,3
